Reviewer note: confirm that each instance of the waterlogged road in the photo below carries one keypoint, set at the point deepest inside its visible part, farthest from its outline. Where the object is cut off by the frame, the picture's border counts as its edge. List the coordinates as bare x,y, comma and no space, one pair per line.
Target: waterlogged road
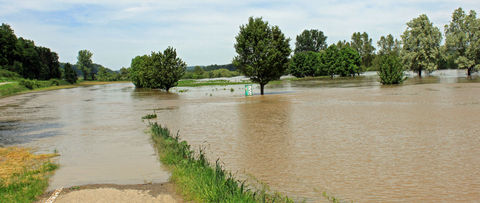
353,139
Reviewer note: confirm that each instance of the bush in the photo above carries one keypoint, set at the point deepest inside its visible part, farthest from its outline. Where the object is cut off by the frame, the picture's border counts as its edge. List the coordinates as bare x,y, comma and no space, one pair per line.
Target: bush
391,71
30,84
8,74
54,82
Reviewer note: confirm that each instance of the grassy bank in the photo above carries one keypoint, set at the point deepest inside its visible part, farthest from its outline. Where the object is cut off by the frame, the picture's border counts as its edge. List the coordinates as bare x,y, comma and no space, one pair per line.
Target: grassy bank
196,83
16,87
199,180
23,175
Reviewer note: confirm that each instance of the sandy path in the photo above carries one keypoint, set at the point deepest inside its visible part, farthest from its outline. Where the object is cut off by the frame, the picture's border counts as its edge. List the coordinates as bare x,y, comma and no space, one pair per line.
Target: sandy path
4,83
158,192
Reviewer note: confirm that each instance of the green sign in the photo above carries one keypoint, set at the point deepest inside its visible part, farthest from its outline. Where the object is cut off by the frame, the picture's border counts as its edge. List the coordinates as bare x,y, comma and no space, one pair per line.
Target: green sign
248,90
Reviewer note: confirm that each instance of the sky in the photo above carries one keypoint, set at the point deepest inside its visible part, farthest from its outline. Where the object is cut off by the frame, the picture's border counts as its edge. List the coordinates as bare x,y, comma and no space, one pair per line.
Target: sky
203,31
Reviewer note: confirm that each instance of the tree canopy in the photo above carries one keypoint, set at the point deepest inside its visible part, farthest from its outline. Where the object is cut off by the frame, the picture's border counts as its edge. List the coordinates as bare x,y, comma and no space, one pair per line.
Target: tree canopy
310,40
388,45
263,51
363,45
158,70
85,64
463,39
421,45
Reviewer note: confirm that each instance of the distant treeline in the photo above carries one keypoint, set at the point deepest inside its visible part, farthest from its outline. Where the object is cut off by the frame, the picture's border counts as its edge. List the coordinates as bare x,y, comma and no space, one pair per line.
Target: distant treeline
211,71
22,56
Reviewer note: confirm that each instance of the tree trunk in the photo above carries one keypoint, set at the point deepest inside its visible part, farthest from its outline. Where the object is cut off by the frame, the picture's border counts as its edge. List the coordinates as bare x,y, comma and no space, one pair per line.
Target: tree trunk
261,88
420,73
469,71
168,89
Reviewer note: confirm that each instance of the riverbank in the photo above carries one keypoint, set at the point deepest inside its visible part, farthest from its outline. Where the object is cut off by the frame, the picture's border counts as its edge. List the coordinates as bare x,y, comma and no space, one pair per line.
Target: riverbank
197,179
14,88
23,175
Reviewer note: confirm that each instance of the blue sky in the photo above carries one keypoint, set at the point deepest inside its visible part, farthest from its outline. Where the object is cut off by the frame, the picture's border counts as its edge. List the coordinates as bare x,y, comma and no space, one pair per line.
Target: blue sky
202,31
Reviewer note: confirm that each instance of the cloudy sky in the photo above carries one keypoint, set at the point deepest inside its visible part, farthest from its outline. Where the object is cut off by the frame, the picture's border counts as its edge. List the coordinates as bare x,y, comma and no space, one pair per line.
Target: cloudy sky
203,31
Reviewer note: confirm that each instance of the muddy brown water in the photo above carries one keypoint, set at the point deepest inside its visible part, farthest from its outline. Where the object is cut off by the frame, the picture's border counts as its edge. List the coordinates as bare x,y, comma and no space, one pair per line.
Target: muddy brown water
353,139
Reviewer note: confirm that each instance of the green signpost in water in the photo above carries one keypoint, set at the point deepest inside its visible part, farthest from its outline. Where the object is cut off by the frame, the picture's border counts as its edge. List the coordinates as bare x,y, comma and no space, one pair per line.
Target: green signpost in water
248,90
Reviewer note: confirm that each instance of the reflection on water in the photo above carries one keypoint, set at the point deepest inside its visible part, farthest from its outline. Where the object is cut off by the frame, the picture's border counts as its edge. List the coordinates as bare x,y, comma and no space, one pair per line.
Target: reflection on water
352,138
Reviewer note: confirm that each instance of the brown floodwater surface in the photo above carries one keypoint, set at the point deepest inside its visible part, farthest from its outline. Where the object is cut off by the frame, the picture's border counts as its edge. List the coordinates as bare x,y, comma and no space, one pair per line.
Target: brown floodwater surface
353,139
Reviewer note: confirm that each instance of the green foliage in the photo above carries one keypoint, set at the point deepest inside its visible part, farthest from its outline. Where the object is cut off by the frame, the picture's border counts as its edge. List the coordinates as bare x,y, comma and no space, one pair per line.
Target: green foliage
85,64
421,45
391,70
311,40
348,62
263,51
363,45
217,73
388,45
159,70
195,83
70,74
30,84
199,180
463,40
25,187
23,57
8,74
150,116
305,64
105,74
11,88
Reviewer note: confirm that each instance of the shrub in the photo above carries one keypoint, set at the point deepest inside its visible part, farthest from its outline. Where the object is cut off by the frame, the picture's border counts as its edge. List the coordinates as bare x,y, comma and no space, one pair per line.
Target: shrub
391,71
30,84
54,82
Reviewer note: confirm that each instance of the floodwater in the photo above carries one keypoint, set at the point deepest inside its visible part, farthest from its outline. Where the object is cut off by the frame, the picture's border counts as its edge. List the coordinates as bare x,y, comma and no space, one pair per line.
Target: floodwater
354,139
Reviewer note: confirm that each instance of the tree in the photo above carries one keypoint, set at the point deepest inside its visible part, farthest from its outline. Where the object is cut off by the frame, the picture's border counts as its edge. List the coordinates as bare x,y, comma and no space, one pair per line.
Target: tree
262,51
391,71
421,45
311,40
85,64
70,75
49,65
363,45
348,62
330,60
159,70
27,58
124,73
305,64
463,40
388,45
198,70
8,41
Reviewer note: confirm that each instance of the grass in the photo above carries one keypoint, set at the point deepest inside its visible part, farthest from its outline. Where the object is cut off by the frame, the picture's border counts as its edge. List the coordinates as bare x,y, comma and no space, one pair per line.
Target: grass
196,83
23,175
150,116
199,180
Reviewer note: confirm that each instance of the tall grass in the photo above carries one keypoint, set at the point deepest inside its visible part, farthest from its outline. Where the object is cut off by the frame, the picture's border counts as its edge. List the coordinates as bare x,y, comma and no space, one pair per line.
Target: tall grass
199,180
23,175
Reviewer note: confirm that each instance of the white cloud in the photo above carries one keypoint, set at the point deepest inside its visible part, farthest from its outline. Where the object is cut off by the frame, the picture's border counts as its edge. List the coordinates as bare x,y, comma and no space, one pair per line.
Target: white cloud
202,31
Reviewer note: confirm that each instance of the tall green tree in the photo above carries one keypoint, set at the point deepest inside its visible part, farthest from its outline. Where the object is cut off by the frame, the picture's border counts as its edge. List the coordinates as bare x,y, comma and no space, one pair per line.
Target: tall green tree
305,64
8,41
363,45
311,40
70,74
463,39
348,62
49,65
85,63
159,70
388,45
421,45
329,61
28,59
263,51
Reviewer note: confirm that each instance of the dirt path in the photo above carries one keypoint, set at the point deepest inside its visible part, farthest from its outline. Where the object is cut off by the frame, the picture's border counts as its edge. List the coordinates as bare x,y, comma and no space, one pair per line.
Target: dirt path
4,83
157,192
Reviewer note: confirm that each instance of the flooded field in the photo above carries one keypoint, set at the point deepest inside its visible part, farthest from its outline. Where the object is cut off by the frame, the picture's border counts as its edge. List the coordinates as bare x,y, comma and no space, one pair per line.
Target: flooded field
353,138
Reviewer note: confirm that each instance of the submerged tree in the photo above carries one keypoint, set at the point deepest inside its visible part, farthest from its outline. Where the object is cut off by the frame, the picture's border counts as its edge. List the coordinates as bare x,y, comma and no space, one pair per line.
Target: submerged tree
310,40
391,71
159,70
463,40
84,63
262,50
421,45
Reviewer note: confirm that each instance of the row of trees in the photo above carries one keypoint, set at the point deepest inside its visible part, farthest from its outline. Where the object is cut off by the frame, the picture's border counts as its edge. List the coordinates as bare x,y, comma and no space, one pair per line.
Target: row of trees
418,50
25,58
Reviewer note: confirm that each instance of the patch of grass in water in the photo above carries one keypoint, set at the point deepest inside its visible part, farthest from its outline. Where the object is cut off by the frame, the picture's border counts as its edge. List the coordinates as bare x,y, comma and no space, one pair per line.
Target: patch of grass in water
23,175
150,116
199,180
196,83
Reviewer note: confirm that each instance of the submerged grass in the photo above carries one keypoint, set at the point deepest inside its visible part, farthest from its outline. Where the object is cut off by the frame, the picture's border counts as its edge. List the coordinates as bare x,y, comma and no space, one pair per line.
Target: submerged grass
196,83
23,175
199,180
